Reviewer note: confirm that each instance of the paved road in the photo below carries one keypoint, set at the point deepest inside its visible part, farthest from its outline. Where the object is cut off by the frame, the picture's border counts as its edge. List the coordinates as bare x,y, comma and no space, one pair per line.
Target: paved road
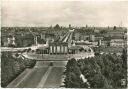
42,75
54,80
67,37
13,49
64,37
55,63
33,79
62,57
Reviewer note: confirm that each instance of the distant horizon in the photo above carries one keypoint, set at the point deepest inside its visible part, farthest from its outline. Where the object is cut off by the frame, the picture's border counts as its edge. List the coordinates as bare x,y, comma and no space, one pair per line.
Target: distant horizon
68,26
33,13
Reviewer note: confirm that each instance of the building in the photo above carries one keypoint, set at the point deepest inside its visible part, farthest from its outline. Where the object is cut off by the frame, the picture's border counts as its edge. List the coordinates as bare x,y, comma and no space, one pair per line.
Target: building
117,43
77,36
81,52
8,40
92,37
43,36
4,40
111,49
50,36
58,48
24,40
11,41
112,33
84,37
96,31
74,49
97,38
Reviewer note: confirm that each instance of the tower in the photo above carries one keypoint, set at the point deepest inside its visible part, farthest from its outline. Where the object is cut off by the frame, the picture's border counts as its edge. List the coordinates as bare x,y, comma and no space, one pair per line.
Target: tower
13,40
35,40
69,26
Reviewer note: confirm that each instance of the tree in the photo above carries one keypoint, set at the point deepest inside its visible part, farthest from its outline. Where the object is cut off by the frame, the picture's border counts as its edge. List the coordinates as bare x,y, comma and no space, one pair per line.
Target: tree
72,73
103,71
124,56
29,49
57,26
114,28
11,67
81,49
103,31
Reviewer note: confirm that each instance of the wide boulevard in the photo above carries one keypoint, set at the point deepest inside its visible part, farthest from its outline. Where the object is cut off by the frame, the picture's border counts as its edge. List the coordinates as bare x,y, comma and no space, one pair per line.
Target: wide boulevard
45,74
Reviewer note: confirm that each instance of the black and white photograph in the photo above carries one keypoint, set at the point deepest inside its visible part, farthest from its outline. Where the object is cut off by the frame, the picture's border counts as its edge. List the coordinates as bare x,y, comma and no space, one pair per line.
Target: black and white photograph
64,44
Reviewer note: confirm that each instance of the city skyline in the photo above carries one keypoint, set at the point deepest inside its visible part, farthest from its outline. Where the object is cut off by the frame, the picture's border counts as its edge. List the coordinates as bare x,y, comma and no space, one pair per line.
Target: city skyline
76,13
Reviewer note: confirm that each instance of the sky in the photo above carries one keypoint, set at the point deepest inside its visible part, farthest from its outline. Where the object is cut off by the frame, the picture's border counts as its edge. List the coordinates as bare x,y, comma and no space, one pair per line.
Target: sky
77,13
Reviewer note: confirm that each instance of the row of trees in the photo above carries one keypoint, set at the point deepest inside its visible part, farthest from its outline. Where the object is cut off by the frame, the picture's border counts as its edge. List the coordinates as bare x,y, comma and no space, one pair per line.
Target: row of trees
72,73
12,66
104,71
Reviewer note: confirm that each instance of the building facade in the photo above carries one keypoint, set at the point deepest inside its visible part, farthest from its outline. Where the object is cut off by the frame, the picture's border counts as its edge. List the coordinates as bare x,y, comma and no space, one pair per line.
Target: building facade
58,48
117,42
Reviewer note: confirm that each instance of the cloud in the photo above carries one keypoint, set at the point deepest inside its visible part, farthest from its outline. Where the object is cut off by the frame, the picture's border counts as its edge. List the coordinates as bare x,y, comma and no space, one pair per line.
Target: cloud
46,13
